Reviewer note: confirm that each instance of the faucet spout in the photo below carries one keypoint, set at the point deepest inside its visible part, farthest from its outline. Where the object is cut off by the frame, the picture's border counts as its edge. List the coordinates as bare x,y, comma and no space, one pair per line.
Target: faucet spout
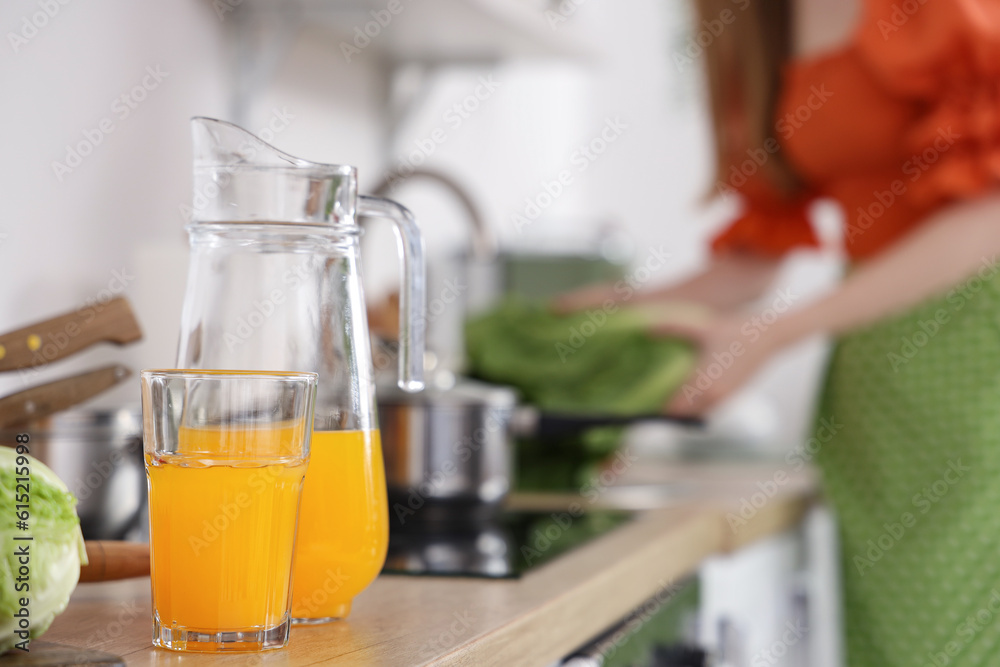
483,241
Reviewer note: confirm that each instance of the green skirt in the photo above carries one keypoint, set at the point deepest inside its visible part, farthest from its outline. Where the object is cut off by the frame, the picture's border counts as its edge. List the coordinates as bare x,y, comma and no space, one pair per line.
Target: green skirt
911,463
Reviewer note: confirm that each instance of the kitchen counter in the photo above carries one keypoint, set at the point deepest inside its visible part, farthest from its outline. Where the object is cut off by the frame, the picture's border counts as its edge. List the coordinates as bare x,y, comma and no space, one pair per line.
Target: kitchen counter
534,620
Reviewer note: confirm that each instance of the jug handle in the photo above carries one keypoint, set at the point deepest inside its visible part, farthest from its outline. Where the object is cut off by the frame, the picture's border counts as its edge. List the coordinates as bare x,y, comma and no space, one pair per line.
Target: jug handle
412,294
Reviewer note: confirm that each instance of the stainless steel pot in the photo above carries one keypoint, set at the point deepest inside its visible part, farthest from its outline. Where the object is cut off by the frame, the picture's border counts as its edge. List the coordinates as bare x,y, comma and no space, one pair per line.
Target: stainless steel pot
98,454
448,453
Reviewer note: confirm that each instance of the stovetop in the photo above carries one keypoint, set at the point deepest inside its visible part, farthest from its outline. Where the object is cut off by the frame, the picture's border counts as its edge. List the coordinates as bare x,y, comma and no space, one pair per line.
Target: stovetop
504,547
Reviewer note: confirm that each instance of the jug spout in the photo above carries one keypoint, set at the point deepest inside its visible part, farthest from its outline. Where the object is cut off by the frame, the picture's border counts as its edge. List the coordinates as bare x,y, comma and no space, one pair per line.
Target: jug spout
238,177
217,142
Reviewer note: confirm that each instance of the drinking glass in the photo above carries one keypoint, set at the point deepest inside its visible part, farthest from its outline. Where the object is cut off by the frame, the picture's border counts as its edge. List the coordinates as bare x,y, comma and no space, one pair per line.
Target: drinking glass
226,453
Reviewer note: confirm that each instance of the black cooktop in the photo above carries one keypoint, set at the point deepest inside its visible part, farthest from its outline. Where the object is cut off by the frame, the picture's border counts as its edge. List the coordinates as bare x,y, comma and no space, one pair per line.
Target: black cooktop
502,547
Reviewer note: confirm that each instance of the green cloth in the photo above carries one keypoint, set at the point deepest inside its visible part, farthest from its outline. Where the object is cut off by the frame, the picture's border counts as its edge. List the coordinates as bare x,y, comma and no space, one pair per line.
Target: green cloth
588,362
909,445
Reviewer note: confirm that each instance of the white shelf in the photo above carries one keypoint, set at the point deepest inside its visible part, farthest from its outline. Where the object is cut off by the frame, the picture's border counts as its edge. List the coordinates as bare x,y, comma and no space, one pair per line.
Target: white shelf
445,30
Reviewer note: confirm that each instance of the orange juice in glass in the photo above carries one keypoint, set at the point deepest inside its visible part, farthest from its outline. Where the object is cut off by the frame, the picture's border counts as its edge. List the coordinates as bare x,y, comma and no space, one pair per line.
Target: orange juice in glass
226,455
343,524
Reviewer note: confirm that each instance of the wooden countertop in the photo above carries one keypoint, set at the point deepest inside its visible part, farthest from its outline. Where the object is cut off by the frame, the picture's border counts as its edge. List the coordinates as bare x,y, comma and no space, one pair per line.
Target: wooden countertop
534,620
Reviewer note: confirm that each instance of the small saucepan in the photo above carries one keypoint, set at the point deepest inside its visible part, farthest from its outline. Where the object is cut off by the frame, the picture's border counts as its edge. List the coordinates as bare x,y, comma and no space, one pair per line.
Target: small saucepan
449,453
98,454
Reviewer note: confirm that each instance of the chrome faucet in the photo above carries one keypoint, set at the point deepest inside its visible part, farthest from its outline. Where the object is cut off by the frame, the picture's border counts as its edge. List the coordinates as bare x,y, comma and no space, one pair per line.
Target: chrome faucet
484,242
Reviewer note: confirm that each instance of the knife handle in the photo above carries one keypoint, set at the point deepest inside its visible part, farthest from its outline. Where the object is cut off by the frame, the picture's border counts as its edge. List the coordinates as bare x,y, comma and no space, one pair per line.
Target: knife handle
59,337
44,399
110,560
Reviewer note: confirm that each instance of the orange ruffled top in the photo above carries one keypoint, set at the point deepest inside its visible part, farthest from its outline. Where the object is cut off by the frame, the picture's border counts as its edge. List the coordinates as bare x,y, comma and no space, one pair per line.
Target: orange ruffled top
901,121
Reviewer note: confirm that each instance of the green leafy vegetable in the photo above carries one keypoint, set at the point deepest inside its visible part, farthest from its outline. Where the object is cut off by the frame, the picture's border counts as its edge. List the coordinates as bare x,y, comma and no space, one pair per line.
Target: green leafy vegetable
55,551
587,362
590,361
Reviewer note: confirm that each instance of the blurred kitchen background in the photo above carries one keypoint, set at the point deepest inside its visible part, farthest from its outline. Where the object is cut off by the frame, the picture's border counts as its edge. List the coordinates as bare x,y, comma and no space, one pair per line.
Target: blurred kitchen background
499,95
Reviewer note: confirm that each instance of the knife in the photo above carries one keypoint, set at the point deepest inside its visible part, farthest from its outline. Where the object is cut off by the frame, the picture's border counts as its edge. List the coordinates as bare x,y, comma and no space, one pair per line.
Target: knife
59,337
44,399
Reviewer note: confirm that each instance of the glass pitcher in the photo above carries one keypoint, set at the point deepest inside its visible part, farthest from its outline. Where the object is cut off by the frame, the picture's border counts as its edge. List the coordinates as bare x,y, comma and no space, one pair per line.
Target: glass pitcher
274,284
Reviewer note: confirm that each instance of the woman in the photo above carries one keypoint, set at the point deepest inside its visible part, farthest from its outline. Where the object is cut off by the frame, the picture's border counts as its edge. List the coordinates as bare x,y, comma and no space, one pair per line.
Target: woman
892,108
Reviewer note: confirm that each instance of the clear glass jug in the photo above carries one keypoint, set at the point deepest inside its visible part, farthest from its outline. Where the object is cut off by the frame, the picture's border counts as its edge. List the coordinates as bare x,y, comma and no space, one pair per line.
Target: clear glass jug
274,284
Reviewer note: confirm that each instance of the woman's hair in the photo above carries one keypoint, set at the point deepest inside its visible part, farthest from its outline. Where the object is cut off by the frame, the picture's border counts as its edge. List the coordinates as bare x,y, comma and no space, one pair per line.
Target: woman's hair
744,62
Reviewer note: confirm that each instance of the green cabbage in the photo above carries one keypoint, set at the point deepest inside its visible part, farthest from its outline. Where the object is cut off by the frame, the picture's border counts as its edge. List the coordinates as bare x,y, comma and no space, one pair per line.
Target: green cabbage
583,363
590,362
56,550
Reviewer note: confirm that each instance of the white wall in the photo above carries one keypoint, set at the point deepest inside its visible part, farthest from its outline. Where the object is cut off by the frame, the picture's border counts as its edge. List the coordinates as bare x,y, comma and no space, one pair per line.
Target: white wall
119,209
67,238
648,180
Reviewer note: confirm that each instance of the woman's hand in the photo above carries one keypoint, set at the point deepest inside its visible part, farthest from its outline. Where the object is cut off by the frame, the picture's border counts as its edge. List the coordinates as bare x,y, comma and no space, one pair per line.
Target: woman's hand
590,296
705,309
960,242
729,282
730,351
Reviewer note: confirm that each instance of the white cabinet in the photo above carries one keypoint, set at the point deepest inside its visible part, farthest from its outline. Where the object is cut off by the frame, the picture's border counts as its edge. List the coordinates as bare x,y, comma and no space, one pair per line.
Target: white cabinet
775,603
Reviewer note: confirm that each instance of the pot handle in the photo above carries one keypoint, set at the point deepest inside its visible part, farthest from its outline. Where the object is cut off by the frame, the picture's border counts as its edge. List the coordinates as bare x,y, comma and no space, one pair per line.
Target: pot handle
412,294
